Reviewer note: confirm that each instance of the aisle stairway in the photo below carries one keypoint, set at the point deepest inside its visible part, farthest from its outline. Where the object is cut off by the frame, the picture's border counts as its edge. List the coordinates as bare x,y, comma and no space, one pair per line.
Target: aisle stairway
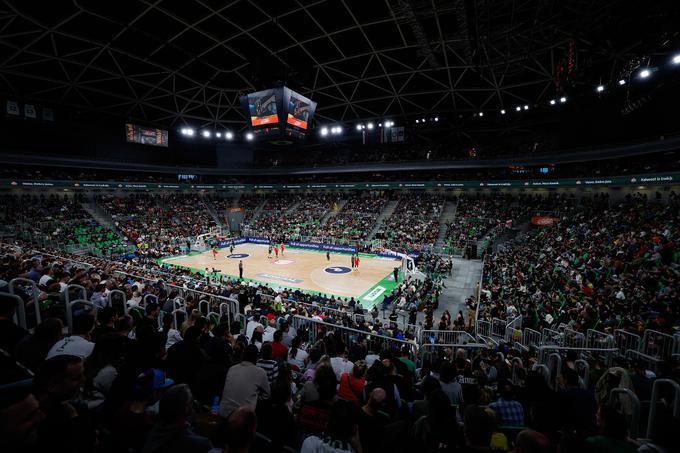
387,211
332,212
101,216
213,213
447,216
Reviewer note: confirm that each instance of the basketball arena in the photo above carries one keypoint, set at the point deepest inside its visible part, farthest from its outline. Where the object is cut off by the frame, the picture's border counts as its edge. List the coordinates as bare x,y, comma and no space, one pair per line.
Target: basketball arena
339,226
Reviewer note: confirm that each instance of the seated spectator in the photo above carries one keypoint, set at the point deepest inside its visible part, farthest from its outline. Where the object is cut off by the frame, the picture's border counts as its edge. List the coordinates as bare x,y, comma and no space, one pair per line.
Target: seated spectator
279,350
245,384
297,357
66,427
10,333
447,380
342,434
530,441
241,429
436,431
172,432
32,350
478,429
132,422
314,414
613,433
352,384
510,412
267,363
578,408
20,417
78,343
185,357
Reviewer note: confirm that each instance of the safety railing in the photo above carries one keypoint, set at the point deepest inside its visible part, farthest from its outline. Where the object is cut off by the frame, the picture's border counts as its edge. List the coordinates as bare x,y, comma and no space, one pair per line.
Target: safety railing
614,396
544,352
513,330
657,344
31,290
498,328
655,400
446,337
597,339
583,369
428,352
573,339
118,300
531,338
20,312
72,306
376,343
80,292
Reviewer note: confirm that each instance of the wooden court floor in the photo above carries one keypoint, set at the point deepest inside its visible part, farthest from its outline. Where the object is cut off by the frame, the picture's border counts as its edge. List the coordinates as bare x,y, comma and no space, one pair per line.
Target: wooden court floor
304,269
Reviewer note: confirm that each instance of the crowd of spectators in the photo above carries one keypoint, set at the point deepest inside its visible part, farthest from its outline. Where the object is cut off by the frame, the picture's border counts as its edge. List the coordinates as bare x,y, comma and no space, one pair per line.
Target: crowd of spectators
269,379
414,224
603,266
158,225
355,221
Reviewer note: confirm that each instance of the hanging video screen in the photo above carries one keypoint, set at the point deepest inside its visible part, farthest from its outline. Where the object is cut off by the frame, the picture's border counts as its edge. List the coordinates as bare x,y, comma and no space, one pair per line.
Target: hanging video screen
298,111
262,108
146,135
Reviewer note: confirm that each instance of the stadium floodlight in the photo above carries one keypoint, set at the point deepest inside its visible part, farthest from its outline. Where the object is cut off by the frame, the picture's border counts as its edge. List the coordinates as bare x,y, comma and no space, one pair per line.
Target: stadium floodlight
338,130
481,113
502,111
518,108
436,119
249,136
228,135
218,134
206,134
526,107
379,124
183,131
563,99
324,131
423,120
676,59
369,126
359,127
417,121
645,73
600,88
190,132
622,82
552,102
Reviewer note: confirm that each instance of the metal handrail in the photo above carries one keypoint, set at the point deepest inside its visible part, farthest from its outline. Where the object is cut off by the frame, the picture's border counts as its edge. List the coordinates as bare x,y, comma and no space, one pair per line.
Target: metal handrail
635,416
34,295
655,397
69,311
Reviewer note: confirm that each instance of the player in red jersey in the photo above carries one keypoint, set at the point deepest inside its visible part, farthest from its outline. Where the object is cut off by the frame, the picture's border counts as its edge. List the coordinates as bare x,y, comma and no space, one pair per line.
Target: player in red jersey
276,251
356,262
214,252
282,249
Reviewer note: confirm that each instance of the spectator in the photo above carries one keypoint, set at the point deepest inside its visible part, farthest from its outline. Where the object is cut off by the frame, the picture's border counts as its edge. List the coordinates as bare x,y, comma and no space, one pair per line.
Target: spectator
78,343
245,384
185,358
297,357
172,432
613,437
529,441
20,417
578,406
352,384
447,380
32,350
267,363
241,428
10,333
342,434
279,350
436,431
510,412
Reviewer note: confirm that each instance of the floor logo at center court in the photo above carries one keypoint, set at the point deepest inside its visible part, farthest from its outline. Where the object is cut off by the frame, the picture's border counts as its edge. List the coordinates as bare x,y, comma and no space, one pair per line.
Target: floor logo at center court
337,270
280,278
238,256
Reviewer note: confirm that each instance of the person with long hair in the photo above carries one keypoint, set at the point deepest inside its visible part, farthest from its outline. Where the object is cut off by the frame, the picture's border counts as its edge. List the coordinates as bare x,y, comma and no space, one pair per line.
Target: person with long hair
297,356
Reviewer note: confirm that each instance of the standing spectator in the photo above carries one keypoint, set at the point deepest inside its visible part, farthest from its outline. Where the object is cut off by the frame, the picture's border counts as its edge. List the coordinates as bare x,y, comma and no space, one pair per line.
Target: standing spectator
185,358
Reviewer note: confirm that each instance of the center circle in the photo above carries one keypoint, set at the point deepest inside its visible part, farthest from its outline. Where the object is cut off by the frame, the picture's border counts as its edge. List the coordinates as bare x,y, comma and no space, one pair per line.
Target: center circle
337,270
238,256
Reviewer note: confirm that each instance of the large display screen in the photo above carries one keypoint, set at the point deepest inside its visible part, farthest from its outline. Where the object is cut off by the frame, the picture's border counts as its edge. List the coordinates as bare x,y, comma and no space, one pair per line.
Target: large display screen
298,111
146,135
262,108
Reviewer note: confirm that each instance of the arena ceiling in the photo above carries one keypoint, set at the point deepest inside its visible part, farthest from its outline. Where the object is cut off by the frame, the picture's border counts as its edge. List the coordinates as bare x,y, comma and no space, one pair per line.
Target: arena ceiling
171,62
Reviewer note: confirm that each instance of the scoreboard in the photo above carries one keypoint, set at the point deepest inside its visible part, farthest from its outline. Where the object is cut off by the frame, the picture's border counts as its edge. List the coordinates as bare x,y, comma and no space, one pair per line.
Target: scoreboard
278,113
146,135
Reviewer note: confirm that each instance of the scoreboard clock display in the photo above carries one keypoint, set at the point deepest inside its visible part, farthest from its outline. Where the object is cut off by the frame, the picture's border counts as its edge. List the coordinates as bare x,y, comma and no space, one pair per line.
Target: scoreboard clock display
146,135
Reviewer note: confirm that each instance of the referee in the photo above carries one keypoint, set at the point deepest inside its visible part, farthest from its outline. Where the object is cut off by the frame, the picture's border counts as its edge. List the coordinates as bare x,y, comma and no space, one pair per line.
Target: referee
240,269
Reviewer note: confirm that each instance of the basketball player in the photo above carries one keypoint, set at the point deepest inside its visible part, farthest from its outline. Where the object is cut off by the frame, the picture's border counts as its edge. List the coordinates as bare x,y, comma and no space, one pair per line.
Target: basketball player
351,260
269,255
328,255
276,251
214,252
282,249
231,248
356,262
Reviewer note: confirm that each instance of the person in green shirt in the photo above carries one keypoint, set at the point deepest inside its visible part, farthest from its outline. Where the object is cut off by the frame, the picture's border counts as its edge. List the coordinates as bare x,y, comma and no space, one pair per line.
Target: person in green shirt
407,361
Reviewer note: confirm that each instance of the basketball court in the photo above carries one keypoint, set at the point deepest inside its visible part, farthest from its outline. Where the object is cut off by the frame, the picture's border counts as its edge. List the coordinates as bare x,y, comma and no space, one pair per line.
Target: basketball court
307,270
